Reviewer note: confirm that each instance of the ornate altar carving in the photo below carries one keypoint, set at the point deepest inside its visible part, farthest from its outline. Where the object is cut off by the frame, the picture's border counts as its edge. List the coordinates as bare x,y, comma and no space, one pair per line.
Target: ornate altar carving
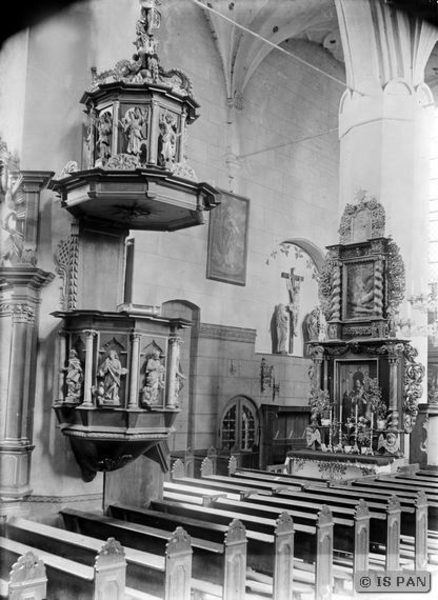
370,380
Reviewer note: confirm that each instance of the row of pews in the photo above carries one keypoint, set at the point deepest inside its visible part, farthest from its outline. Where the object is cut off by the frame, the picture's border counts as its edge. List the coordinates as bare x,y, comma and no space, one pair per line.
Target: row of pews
249,535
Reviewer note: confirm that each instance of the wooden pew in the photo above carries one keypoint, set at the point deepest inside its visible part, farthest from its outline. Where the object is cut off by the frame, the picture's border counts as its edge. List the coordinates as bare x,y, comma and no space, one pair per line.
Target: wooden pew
71,580
422,482
206,494
413,517
207,559
314,544
419,478
27,579
212,562
397,487
250,482
351,524
260,546
386,490
432,473
158,571
264,551
281,477
378,534
384,536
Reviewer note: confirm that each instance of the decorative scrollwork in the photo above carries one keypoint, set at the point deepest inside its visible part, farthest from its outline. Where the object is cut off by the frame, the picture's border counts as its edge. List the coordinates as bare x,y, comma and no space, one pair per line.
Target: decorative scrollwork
376,216
395,278
67,261
413,376
326,284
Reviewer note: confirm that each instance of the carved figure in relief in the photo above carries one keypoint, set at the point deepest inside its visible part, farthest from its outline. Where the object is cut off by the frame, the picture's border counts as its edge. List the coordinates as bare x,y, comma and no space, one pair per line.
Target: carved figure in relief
153,379
167,139
179,382
150,16
74,377
104,129
293,287
311,329
110,371
389,443
313,437
11,238
133,125
282,327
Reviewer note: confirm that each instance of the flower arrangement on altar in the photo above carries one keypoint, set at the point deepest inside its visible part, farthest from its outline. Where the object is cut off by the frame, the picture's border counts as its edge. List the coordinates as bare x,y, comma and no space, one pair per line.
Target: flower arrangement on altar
319,401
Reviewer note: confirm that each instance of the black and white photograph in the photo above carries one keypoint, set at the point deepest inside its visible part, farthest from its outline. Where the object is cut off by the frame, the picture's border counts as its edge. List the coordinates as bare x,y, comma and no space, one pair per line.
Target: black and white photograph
219,300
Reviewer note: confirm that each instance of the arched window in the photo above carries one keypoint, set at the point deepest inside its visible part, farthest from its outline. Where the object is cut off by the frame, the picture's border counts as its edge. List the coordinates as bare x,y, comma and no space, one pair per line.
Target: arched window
240,426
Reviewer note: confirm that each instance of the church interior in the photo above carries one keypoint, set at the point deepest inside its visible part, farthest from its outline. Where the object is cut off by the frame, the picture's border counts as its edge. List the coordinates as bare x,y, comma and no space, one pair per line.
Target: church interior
219,300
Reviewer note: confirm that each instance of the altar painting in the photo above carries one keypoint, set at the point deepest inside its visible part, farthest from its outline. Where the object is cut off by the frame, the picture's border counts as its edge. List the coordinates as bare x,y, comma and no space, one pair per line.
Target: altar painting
359,290
352,384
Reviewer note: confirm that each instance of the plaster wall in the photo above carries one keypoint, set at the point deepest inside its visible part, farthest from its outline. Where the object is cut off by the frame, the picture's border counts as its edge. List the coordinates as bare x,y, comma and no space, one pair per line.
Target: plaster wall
229,368
13,61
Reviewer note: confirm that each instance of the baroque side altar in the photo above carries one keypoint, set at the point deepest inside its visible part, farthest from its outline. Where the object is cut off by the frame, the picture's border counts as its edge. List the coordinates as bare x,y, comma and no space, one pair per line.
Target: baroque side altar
365,381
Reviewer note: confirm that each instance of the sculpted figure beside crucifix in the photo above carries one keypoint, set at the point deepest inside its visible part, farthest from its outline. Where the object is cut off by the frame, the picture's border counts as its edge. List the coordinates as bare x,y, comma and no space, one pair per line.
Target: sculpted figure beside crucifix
286,315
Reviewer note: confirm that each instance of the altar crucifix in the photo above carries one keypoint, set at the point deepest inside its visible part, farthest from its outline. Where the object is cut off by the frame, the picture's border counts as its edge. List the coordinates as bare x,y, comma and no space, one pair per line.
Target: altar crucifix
293,283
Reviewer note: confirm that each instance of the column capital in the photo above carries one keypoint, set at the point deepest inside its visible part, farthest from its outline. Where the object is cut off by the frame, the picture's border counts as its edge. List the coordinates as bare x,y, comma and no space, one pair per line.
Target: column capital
35,181
26,276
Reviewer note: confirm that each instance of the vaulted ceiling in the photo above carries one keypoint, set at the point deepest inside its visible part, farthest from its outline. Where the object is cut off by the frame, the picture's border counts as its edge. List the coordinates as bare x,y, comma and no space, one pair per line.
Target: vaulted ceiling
247,31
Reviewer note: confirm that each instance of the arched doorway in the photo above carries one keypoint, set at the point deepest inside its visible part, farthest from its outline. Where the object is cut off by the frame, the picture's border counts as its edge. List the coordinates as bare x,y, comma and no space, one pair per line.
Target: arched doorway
240,431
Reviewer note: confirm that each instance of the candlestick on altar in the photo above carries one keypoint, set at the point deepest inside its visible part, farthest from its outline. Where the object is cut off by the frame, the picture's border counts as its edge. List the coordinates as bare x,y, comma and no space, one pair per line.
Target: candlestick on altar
331,429
356,432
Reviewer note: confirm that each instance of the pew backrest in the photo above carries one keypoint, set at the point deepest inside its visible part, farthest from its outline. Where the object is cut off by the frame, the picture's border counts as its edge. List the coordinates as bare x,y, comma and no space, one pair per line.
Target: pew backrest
27,578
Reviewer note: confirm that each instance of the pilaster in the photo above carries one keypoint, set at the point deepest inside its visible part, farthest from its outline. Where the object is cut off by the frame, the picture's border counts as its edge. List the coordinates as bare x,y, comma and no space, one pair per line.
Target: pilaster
21,283
19,303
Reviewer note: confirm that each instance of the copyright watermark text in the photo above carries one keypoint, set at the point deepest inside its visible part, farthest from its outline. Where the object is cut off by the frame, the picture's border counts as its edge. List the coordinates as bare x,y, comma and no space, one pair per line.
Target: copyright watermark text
393,581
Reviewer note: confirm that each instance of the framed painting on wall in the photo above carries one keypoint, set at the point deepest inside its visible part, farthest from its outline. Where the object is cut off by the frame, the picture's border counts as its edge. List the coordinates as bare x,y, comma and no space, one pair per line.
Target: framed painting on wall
228,239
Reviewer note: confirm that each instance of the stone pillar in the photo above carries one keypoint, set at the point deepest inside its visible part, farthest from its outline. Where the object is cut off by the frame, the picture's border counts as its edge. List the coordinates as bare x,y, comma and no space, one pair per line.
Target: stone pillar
384,129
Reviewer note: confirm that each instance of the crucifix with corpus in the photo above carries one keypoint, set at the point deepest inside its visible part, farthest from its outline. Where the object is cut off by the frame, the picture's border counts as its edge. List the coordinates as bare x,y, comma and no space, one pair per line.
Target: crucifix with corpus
293,283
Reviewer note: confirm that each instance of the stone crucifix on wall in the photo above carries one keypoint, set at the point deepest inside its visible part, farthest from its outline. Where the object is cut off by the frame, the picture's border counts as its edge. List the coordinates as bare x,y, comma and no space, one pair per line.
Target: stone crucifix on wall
287,315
